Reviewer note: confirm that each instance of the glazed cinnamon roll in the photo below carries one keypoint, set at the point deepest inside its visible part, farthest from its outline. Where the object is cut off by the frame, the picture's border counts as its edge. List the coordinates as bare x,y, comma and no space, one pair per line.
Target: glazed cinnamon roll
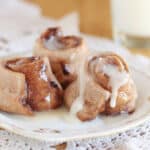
43,91
111,72
104,86
61,51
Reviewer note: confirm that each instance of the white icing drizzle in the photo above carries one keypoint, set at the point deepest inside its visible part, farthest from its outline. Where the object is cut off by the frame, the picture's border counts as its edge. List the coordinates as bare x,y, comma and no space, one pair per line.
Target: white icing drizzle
43,73
48,98
116,80
80,65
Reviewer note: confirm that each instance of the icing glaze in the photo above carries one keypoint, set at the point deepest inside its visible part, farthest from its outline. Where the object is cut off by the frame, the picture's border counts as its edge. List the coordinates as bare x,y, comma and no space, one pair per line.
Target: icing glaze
116,80
52,43
80,66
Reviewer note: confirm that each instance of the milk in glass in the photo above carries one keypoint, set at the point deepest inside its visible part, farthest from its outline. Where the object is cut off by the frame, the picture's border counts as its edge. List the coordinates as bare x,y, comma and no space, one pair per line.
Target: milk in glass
131,22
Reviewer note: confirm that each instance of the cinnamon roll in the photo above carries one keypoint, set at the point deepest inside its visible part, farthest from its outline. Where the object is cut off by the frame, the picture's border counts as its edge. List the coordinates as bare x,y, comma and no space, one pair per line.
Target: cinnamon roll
61,51
104,85
43,91
111,72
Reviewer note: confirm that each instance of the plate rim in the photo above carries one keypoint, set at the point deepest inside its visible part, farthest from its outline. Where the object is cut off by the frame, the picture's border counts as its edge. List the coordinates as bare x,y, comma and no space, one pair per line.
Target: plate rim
38,136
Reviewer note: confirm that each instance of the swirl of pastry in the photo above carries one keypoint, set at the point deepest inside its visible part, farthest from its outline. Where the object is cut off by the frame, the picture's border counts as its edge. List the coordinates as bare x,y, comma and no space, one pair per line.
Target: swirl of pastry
61,51
43,90
112,73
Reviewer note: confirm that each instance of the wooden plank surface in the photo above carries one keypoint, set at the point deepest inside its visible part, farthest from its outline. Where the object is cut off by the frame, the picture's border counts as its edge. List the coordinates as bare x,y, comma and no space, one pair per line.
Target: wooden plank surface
56,8
94,14
95,17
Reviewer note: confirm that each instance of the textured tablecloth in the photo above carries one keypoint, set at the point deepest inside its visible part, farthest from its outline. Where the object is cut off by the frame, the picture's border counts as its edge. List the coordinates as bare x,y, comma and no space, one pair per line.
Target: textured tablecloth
20,24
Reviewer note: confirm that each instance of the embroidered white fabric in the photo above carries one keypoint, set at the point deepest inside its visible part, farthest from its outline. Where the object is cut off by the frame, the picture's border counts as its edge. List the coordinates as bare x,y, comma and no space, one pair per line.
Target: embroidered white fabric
20,25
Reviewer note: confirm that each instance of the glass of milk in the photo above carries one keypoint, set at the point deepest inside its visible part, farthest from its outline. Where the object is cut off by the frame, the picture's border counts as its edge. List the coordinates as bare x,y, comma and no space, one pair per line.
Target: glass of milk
131,22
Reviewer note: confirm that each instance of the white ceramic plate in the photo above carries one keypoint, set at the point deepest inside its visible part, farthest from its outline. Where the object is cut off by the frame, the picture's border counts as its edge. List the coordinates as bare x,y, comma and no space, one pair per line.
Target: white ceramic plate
55,127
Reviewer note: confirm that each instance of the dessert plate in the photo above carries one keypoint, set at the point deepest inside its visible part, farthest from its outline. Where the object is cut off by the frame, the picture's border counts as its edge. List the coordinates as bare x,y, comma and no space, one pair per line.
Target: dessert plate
59,126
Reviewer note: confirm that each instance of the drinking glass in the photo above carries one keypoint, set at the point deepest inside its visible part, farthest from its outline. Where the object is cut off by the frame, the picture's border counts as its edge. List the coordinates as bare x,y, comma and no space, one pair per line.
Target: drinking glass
131,22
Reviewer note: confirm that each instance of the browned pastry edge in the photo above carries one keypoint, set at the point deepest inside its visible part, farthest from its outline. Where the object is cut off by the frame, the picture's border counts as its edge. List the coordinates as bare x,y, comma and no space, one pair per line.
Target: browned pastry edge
56,31
33,67
67,42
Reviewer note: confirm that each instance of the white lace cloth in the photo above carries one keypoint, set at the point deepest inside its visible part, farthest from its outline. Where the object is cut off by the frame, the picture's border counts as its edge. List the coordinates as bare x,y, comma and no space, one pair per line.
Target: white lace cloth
20,24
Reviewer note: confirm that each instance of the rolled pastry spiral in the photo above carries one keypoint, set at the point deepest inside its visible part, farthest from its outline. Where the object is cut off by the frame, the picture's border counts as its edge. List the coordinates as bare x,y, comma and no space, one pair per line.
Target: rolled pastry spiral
61,51
112,73
98,89
40,87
